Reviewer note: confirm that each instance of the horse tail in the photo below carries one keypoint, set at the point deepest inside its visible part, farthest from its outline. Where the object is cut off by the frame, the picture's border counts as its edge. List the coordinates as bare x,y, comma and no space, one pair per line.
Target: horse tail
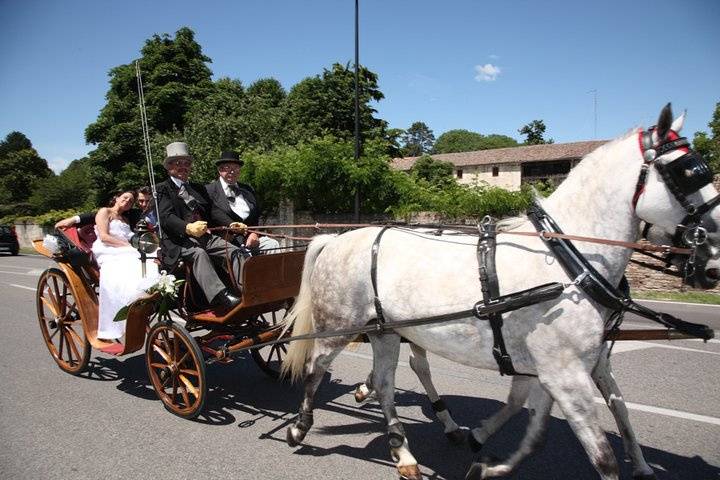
300,315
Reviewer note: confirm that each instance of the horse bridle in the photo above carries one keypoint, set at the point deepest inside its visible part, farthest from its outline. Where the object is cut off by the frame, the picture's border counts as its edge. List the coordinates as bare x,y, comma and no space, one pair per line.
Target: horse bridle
683,176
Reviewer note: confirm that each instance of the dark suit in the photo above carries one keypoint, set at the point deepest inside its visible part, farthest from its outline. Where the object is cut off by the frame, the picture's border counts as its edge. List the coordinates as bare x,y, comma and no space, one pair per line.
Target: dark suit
222,215
174,215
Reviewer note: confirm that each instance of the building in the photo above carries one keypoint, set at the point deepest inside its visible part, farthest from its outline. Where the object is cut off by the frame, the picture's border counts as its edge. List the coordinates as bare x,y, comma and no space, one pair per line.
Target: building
510,167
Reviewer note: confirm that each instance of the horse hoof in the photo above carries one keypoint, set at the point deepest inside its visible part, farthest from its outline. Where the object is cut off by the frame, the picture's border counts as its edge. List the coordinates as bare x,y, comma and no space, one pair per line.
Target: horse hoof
409,472
294,436
361,393
645,476
474,472
457,437
474,445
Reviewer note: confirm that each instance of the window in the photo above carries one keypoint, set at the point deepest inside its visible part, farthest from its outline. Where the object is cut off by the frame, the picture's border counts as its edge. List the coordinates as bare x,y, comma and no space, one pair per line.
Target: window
495,171
458,172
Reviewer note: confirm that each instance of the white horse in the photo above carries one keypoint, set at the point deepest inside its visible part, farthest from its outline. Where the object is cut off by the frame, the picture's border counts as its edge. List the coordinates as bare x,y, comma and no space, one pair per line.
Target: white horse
560,340
704,272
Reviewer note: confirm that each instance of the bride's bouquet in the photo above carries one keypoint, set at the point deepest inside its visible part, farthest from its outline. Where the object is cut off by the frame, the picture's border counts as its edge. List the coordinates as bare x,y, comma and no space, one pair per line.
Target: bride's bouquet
165,286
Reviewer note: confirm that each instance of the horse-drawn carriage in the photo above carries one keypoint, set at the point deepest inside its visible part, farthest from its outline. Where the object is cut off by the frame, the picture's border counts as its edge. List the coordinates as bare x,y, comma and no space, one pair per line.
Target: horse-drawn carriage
67,306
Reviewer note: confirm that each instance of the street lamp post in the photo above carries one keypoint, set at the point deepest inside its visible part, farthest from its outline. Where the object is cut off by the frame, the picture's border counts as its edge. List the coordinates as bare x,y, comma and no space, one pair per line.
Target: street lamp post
357,110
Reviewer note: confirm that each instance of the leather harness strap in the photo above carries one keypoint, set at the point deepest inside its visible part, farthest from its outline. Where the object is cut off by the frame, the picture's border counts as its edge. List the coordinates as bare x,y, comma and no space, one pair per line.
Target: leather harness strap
491,291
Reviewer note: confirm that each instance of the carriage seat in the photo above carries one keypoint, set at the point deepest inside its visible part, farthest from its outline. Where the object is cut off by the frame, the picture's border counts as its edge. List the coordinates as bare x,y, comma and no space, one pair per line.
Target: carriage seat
83,238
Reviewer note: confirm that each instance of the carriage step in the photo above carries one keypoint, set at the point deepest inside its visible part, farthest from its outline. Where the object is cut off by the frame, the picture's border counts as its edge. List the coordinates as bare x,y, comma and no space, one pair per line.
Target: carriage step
113,349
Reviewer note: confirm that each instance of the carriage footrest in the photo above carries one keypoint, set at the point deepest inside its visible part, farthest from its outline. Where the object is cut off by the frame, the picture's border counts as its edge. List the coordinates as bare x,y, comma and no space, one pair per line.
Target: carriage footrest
516,300
113,349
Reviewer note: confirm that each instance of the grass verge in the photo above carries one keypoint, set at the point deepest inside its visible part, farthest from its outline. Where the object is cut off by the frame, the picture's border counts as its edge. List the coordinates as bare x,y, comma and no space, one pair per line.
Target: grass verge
689,297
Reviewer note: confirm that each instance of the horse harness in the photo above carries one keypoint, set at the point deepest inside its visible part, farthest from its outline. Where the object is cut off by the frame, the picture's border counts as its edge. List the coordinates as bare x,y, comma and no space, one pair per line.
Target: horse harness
683,176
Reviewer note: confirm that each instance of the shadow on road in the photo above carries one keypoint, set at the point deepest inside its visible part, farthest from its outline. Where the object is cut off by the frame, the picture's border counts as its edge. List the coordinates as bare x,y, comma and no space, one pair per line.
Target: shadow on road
241,393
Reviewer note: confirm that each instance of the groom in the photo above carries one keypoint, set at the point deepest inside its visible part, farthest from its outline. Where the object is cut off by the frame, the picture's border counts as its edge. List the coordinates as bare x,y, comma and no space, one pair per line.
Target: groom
183,209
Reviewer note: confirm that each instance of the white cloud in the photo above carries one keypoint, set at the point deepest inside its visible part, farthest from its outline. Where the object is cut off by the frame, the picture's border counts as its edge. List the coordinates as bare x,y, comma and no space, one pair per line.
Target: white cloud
58,164
487,72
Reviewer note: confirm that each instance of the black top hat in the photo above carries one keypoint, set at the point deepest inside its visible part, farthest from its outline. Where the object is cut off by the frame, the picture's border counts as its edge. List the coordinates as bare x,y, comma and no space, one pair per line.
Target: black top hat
229,157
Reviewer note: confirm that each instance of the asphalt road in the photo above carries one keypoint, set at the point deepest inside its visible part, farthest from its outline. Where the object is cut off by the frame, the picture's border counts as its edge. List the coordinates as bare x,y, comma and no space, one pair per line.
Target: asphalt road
107,424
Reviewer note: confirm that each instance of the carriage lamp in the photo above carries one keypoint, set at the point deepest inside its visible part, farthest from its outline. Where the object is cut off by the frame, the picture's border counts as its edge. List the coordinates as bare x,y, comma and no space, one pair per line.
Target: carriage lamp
145,242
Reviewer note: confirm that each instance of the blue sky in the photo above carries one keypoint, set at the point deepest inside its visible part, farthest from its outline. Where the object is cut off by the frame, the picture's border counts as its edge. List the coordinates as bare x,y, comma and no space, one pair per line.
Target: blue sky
486,66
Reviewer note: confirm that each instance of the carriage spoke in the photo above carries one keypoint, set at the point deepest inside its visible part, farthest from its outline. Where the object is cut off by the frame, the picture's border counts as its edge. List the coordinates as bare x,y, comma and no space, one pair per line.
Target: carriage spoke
187,371
49,305
189,386
185,396
184,357
174,389
53,334
74,334
71,343
162,353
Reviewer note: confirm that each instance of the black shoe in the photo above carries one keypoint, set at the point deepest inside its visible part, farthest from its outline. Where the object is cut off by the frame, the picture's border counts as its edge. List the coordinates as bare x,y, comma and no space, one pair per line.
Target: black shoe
226,299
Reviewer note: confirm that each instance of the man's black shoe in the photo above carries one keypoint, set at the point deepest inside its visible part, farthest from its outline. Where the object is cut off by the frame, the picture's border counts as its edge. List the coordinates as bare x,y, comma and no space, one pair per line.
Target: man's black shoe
226,299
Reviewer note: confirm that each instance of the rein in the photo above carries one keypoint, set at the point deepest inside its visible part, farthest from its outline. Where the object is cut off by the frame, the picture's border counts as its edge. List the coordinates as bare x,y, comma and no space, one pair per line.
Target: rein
648,247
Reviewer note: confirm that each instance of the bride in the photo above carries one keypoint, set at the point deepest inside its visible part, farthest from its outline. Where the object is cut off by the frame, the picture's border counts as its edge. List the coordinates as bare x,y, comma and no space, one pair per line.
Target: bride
121,280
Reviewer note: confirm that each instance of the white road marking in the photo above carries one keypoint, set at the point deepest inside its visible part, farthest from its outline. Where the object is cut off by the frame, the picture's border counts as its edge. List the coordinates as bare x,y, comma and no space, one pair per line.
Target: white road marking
631,345
668,412
23,286
16,273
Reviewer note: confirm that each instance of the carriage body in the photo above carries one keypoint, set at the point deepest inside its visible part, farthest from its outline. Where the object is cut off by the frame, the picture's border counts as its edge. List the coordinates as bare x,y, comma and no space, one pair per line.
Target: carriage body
178,344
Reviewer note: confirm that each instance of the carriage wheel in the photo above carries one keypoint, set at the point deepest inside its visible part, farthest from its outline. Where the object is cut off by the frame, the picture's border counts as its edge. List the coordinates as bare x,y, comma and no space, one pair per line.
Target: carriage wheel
270,359
60,322
176,369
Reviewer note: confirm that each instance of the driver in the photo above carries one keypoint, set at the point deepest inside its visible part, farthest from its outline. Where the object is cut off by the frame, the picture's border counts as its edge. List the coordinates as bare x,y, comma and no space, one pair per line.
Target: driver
183,211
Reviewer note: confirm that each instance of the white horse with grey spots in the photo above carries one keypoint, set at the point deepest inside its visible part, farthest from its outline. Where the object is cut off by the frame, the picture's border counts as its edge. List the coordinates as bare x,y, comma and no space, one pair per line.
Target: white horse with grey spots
560,340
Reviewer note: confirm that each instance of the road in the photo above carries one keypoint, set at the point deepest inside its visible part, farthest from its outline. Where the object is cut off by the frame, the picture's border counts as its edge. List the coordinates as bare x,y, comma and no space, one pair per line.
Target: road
108,424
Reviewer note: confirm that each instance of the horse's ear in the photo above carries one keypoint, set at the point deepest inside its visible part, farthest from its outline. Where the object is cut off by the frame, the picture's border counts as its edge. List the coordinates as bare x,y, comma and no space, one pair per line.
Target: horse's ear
677,125
664,123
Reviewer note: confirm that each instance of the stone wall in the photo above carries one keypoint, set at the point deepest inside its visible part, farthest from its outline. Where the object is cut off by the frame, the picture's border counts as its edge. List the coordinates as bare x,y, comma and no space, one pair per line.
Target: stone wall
27,232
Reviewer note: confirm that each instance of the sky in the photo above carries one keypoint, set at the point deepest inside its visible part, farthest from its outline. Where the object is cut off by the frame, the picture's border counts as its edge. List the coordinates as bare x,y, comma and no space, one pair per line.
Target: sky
485,66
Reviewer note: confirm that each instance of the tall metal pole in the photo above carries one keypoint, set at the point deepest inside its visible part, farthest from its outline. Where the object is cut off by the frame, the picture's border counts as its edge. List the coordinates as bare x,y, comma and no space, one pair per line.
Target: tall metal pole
357,109
594,92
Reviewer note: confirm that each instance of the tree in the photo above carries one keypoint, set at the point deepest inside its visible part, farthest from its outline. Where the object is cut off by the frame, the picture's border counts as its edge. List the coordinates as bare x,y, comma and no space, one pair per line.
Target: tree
417,139
71,189
709,146
433,171
534,132
20,168
175,77
460,140
325,105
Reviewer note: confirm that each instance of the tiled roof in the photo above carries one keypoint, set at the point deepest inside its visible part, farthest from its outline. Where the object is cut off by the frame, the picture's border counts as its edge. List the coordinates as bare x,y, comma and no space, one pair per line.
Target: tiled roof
530,153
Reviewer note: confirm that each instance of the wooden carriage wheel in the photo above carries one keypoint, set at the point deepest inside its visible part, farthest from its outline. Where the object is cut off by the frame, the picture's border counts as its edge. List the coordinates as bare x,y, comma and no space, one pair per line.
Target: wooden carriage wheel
60,322
270,359
176,368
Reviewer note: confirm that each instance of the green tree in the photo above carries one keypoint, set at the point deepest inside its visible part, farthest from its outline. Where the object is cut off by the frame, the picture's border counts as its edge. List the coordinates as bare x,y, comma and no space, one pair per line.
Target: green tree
71,189
175,77
433,171
534,132
709,145
460,140
20,168
417,139
325,105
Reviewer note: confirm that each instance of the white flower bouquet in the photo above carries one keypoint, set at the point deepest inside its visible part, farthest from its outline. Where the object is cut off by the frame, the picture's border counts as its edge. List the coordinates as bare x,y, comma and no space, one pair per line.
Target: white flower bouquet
166,285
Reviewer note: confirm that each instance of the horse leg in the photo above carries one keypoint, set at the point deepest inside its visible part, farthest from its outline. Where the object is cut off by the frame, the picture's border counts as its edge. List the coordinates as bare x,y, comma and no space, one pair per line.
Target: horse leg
605,381
519,391
421,367
386,349
539,404
565,377
322,357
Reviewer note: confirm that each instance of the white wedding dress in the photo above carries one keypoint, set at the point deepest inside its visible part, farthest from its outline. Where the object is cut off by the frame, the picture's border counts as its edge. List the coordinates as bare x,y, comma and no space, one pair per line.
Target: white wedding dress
121,280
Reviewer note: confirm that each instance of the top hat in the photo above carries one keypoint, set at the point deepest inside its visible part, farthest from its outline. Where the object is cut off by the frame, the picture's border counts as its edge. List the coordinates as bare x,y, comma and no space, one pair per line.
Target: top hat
176,151
229,157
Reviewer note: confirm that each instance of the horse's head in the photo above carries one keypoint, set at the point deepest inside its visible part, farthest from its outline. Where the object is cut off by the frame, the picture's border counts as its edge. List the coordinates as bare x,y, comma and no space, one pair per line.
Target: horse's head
675,192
